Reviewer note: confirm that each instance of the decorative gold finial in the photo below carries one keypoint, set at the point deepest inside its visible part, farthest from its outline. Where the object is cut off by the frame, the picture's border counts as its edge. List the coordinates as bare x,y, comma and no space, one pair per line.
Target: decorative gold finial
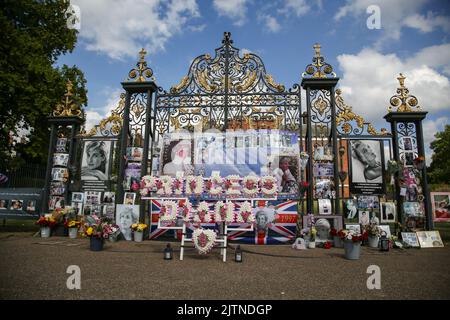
142,73
403,101
318,68
68,107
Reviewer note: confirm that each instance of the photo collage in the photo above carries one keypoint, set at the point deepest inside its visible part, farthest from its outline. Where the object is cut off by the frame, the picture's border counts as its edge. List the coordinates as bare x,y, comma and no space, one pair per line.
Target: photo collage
59,174
323,175
133,169
94,203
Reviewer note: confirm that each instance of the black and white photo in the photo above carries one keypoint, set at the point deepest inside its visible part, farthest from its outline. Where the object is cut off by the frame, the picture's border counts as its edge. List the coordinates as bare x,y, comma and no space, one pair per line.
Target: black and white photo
31,205
61,159
61,144
60,174
366,159
92,197
57,188
108,211
350,209
323,169
388,212
324,189
325,206
16,204
96,160
109,197
353,227
264,216
56,202
78,207
77,197
126,215
286,174
3,204
363,217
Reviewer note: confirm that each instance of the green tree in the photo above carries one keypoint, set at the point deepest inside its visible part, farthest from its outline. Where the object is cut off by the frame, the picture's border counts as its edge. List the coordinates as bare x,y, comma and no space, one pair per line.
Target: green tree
439,170
34,34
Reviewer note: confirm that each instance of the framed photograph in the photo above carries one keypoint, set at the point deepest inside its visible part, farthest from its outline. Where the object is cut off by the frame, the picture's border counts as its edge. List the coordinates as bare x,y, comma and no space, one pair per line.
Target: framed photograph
363,217
406,143
350,209
412,192
388,212
410,238
132,174
324,189
129,198
324,206
322,151
61,159
109,211
87,208
368,202
353,226
366,164
3,204
413,209
323,169
92,197
16,205
31,205
385,228
60,174
109,197
77,197
440,203
408,159
429,239
323,224
134,153
177,155
96,160
96,209
61,145
57,188
126,215
264,217
78,206
56,202
287,174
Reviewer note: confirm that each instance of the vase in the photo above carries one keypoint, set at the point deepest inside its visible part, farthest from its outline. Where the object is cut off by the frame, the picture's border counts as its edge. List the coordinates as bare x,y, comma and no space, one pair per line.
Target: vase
138,236
96,244
311,244
59,230
338,243
352,250
73,233
45,232
373,241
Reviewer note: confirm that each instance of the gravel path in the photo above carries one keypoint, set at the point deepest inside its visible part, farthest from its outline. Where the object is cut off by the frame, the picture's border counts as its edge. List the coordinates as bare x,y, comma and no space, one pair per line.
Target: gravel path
35,268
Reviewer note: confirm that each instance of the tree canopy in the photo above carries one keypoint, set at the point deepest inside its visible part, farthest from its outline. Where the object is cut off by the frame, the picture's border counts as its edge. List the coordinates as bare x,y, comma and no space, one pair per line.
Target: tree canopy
34,34
439,170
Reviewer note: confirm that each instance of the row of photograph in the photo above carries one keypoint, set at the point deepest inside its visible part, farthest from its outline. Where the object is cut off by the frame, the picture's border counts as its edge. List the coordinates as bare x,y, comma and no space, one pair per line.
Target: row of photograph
27,205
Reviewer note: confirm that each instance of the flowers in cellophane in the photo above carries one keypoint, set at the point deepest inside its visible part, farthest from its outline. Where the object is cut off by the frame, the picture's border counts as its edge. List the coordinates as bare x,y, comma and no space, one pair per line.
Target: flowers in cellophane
138,227
95,226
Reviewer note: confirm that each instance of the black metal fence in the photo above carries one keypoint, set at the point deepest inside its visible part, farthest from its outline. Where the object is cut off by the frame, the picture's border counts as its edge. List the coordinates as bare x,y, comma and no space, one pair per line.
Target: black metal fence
27,176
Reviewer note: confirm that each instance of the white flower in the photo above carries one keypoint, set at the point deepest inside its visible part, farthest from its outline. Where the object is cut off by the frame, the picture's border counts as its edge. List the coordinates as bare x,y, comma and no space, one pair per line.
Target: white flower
252,180
269,180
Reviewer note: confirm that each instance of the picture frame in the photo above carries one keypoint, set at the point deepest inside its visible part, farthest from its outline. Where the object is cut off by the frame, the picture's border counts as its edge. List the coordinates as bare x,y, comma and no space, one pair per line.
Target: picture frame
126,215
388,212
4,204
363,217
78,207
61,145
368,202
350,209
386,229
129,198
324,189
109,197
31,205
78,197
57,188
56,202
353,226
134,153
325,207
406,143
440,204
16,204
61,159
429,239
177,155
60,174
323,169
109,211
413,209
96,160
92,197
410,238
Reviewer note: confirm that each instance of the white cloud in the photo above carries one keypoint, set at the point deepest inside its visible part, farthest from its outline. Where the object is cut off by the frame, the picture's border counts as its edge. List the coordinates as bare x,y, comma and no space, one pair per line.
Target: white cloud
395,15
369,80
297,7
270,22
95,115
430,127
233,9
119,28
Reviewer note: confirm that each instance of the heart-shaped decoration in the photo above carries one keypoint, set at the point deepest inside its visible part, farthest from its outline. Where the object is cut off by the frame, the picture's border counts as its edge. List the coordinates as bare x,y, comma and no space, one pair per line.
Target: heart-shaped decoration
203,240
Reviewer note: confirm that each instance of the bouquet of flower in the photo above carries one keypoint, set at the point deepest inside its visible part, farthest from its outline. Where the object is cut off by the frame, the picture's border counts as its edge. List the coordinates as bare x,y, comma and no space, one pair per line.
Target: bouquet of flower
138,227
250,188
268,186
72,224
194,185
232,186
98,227
148,184
202,214
246,213
168,212
46,222
352,235
372,229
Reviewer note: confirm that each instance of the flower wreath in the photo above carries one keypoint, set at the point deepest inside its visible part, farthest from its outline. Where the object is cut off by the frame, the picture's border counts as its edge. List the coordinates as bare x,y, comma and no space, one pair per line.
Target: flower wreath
194,185
185,211
168,212
223,212
148,183
246,213
203,240
269,185
177,185
213,185
232,185
250,188
202,214
164,185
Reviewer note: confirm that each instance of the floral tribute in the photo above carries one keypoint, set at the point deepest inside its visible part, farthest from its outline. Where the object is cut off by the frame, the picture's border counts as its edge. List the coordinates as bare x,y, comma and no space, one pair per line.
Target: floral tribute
164,185
138,227
233,186
204,240
250,186
185,211
202,215
269,186
352,235
214,185
177,186
224,212
46,221
245,214
148,184
168,213
194,185
95,226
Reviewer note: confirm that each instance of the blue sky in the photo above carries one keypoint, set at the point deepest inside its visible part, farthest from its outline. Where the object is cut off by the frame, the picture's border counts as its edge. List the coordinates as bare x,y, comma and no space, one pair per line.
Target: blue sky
414,39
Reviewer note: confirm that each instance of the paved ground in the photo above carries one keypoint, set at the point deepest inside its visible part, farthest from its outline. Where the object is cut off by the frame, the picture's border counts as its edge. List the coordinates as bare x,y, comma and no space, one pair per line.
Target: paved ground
35,268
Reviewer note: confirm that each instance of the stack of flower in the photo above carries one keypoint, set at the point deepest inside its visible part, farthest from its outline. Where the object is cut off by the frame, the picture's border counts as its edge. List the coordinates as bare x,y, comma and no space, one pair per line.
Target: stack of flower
246,213
97,227
138,227
202,214
233,186
250,188
46,222
194,185
268,186
372,229
168,212
185,211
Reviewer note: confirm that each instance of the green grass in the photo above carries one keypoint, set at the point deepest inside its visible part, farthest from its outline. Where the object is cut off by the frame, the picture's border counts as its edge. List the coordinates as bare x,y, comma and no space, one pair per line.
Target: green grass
15,225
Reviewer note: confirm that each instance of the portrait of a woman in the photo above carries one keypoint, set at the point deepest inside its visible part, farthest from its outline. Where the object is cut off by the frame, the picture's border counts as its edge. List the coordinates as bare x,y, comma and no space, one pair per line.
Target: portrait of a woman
366,161
181,160
95,160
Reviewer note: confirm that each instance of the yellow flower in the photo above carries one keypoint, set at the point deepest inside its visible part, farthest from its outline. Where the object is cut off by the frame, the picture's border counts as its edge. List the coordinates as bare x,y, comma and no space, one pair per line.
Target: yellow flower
89,231
134,226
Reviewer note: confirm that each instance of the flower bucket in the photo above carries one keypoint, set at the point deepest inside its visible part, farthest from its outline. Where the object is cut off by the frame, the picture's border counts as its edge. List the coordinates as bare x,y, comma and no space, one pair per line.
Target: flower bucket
338,243
96,244
311,244
73,233
373,241
59,230
138,236
45,232
352,250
